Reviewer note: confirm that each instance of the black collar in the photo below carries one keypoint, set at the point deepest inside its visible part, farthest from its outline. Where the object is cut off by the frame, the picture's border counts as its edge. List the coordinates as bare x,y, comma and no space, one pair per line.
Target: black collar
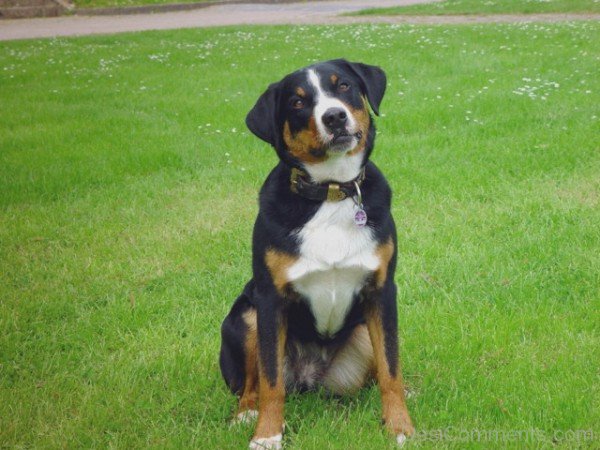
331,192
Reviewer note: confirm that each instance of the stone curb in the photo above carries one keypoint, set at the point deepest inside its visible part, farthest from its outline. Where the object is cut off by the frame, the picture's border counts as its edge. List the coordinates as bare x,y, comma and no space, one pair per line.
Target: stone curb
169,7
65,5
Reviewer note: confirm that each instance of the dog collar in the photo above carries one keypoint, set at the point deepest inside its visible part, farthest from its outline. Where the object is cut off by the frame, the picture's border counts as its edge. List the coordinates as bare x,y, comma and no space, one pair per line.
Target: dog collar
331,192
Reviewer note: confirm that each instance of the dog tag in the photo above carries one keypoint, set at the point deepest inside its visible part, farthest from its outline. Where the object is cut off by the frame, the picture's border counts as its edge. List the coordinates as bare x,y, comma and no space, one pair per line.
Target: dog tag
360,217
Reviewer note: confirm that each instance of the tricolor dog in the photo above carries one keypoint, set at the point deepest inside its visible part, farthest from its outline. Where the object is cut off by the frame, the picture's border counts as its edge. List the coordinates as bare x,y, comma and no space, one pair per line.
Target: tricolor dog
320,309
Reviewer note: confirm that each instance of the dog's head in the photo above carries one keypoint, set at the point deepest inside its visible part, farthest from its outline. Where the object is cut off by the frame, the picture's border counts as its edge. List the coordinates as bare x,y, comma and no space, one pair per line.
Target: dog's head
317,118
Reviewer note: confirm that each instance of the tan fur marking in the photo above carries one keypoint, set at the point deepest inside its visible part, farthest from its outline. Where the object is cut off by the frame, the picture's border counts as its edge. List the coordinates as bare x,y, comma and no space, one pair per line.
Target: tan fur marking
249,397
302,142
394,412
385,252
334,78
352,365
300,92
271,399
278,264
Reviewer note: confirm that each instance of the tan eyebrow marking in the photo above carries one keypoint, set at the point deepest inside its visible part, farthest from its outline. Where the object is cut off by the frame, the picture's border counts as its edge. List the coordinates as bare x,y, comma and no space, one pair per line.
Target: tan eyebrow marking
333,78
300,92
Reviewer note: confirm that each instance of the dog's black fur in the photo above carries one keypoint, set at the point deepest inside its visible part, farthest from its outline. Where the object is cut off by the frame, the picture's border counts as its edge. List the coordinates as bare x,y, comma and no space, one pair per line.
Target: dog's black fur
284,117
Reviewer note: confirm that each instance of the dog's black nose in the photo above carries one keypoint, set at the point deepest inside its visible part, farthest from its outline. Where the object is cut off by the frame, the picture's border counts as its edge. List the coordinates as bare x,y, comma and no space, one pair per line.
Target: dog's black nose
334,118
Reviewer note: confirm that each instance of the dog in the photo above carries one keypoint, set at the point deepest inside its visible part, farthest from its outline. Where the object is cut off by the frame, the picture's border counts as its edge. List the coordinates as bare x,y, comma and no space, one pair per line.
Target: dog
320,309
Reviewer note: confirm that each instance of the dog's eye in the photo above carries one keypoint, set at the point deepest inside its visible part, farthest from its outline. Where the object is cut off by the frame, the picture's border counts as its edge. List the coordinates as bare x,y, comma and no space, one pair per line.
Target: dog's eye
297,104
343,87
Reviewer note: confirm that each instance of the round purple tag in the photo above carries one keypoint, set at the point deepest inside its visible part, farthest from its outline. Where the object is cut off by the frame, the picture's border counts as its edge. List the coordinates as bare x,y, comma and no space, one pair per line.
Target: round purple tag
360,218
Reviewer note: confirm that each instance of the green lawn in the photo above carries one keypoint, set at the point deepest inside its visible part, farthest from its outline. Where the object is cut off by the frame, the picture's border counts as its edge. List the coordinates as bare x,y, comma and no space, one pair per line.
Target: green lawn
491,7
128,190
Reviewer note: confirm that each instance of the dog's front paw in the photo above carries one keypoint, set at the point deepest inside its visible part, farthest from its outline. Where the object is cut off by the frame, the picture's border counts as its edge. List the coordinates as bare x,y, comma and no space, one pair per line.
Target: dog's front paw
270,443
401,428
405,432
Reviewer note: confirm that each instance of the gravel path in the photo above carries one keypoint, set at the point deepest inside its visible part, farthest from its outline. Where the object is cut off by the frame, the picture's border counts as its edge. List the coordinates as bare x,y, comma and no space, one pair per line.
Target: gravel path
321,12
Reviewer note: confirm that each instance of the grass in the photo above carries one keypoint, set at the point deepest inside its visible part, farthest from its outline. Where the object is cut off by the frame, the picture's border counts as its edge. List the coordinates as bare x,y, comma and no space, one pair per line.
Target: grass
445,7
119,3
129,190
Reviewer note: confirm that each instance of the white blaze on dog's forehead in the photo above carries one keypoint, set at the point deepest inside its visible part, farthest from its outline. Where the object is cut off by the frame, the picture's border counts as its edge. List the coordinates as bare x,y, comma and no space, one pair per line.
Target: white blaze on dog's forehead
323,102
313,78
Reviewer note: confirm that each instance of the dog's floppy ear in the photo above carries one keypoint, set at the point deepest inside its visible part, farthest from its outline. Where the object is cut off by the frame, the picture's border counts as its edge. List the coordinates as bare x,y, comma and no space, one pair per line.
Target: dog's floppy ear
261,119
374,82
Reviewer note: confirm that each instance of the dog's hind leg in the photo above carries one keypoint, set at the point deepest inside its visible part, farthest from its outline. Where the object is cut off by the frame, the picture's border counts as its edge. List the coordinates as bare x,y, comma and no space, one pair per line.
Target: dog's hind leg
247,409
238,357
272,335
352,365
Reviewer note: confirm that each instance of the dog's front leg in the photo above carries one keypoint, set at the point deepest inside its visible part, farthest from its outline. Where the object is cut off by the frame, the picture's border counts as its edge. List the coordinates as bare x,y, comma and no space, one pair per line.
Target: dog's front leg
382,322
271,389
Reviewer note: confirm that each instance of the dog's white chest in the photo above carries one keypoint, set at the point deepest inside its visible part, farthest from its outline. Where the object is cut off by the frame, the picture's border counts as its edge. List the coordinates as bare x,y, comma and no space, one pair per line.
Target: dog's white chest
336,256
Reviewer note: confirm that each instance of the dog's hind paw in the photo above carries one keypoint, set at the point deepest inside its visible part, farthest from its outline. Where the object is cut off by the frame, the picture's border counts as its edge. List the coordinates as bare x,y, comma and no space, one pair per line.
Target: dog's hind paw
270,443
245,417
400,439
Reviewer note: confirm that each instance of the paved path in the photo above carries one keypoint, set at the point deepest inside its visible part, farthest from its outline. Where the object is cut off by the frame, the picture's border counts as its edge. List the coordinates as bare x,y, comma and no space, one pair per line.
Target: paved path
321,12
217,15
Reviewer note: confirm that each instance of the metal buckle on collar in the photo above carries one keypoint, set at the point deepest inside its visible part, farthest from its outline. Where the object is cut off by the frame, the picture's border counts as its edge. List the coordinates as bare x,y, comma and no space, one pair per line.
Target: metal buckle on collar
334,193
294,179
